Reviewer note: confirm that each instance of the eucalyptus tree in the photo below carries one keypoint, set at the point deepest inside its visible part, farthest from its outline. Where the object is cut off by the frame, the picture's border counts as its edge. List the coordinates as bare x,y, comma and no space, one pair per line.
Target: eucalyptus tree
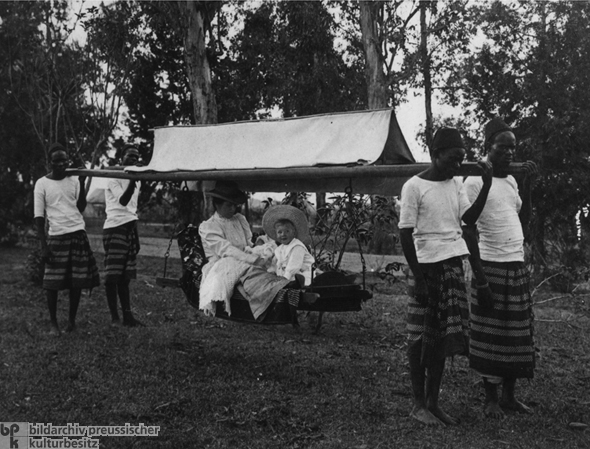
406,44
378,34
194,19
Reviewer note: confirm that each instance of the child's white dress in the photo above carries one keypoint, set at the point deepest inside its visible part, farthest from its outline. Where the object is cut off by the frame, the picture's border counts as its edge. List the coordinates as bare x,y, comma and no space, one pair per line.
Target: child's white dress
293,259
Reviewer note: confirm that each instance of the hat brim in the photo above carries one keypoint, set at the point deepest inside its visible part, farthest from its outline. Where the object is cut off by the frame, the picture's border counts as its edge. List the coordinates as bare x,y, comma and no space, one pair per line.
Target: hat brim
286,212
237,199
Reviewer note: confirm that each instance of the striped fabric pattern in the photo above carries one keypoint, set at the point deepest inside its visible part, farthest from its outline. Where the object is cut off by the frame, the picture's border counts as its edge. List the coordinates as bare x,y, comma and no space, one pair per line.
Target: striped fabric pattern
121,245
502,336
443,323
72,264
293,296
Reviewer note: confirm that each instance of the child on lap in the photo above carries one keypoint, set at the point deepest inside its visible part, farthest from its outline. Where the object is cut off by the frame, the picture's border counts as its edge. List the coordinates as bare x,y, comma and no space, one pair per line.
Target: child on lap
288,226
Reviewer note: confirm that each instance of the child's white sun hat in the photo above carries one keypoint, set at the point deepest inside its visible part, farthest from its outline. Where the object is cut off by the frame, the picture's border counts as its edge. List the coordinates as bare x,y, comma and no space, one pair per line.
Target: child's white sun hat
286,212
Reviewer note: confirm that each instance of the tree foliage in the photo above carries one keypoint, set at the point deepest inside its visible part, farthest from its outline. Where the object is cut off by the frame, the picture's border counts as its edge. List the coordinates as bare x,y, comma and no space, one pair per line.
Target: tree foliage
380,36
193,22
53,89
146,53
263,57
532,70
111,55
528,62
38,97
284,58
37,65
445,33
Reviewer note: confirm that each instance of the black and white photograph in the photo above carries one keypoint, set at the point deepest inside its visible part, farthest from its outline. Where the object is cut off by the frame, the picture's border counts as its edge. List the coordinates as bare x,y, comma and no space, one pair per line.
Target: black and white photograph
284,224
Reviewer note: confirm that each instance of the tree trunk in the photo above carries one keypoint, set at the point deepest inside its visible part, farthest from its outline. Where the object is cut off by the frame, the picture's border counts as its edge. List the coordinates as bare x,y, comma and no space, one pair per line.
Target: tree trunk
374,74
425,57
193,19
371,14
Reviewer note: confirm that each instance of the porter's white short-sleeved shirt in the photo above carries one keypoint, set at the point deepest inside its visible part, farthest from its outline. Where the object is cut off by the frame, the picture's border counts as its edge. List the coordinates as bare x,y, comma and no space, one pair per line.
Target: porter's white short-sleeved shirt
434,210
117,214
500,232
57,200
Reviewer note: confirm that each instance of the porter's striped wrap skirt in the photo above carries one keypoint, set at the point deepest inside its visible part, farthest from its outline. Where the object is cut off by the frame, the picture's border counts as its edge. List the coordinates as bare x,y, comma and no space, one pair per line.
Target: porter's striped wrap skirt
121,245
72,264
501,343
442,324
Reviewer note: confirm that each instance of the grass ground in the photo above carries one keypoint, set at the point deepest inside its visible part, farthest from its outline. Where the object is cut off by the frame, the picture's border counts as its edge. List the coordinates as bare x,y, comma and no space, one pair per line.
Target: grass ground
94,225
216,384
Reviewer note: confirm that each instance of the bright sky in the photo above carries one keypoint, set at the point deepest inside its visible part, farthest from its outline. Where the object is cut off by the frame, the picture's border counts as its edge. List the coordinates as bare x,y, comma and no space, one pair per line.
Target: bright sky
410,117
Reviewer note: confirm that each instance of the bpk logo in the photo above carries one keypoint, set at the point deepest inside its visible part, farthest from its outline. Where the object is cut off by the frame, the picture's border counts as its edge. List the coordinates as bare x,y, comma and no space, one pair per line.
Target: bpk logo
7,429
13,435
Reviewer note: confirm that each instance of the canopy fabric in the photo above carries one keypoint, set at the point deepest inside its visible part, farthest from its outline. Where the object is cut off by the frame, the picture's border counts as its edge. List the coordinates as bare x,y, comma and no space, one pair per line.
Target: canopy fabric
365,137
364,151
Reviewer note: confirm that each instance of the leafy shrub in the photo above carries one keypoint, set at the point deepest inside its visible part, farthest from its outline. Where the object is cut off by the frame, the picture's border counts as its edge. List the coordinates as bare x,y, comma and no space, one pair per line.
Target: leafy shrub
348,223
35,267
9,232
572,270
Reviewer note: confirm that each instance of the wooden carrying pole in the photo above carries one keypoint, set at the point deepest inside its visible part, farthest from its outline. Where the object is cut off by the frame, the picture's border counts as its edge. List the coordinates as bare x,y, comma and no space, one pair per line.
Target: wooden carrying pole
262,174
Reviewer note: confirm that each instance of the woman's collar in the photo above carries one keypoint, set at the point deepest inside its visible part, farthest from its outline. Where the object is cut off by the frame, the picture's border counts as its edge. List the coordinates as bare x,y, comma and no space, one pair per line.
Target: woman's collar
219,217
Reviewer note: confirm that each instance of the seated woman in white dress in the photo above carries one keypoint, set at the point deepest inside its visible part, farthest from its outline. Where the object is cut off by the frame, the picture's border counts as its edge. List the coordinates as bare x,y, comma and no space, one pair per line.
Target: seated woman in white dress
231,260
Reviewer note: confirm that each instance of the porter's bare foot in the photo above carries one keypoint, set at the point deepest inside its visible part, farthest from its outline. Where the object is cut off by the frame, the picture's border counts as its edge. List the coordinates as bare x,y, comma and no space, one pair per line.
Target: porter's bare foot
54,331
71,327
132,322
516,406
493,410
425,417
115,322
442,416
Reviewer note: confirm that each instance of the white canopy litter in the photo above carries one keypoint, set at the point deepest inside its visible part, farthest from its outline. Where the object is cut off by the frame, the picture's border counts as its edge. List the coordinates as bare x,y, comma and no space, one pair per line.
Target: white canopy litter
362,138
363,151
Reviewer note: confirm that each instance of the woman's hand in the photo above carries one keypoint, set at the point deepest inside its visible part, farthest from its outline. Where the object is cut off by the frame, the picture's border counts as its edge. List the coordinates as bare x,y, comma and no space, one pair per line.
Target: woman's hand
259,262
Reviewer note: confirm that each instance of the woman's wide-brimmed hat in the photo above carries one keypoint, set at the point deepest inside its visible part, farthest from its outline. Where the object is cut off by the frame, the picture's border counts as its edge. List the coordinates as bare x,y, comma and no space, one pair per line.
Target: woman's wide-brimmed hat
228,191
285,212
